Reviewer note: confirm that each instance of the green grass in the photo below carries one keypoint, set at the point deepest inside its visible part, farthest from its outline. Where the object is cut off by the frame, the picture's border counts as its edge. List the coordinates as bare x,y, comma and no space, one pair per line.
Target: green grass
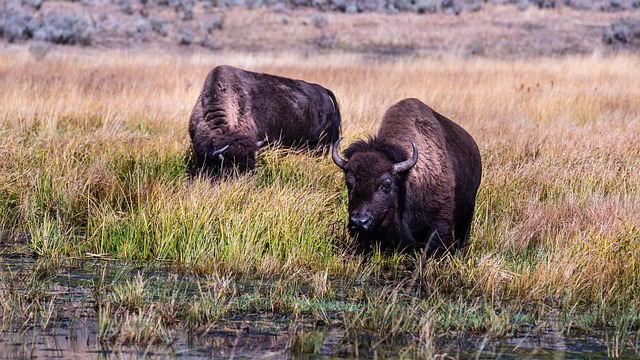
284,234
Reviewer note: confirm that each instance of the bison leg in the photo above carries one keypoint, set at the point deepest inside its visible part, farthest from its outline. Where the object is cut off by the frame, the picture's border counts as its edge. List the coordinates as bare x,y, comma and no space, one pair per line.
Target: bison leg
463,228
440,239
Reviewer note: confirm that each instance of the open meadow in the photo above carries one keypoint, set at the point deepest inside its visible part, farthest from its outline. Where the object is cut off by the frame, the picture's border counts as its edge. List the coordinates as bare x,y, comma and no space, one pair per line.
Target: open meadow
93,174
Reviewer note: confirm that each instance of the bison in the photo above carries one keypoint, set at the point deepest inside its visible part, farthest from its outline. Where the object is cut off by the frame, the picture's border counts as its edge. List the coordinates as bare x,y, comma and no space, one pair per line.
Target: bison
407,202
239,111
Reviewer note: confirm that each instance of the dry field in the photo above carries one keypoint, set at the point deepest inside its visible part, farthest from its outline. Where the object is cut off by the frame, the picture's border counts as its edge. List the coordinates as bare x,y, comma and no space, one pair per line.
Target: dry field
94,151
495,31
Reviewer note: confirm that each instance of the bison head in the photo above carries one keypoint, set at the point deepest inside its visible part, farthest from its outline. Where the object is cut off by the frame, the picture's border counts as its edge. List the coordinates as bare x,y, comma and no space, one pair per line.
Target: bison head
375,176
229,154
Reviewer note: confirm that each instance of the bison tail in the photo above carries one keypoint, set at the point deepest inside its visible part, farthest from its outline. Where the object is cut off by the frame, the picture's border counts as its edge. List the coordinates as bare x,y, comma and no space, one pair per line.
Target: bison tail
334,134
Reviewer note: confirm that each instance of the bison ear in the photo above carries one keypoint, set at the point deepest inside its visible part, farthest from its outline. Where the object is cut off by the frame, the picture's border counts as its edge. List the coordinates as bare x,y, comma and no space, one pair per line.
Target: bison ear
342,163
409,163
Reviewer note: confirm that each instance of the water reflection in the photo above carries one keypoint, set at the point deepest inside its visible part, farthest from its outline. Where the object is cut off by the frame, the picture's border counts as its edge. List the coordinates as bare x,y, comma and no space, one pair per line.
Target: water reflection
81,342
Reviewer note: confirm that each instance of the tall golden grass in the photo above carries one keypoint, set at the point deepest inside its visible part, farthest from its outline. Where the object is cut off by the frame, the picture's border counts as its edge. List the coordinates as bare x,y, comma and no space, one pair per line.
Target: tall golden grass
94,148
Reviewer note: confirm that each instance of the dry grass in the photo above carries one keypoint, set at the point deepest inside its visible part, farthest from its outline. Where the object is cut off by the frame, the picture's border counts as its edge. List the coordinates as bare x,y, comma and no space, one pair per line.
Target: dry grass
94,149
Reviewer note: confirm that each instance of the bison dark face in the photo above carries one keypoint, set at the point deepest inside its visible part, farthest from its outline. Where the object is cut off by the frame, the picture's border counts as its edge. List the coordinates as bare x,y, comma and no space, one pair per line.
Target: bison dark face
226,155
375,176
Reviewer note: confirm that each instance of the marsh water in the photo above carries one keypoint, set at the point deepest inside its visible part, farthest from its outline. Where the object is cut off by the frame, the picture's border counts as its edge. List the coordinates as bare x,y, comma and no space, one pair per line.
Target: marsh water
246,335
79,341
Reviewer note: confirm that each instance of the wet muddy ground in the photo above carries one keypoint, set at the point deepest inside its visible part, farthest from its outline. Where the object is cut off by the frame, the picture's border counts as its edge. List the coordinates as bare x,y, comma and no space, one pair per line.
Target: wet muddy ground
73,331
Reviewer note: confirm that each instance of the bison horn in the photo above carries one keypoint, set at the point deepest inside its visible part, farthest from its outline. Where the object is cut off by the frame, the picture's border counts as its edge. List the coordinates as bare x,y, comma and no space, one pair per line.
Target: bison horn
409,163
342,163
215,153
261,143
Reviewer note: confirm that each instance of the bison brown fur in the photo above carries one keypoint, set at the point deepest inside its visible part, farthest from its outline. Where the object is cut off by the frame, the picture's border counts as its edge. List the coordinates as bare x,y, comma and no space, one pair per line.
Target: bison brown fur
414,184
239,111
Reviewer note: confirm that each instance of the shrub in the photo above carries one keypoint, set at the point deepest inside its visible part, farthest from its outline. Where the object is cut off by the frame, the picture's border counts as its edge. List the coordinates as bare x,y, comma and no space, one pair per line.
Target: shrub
622,31
427,6
36,4
143,28
127,8
68,28
319,21
185,35
160,26
39,49
370,5
208,43
216,23
16,24
184,8
545,4
452,6
522,4
326,40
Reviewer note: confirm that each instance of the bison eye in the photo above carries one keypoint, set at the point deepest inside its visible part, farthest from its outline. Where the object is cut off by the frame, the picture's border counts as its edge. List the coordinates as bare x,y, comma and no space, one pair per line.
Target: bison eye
386,187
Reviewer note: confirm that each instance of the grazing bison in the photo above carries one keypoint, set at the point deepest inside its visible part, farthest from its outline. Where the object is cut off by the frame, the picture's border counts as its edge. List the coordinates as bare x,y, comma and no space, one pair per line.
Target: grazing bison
425,200
238,111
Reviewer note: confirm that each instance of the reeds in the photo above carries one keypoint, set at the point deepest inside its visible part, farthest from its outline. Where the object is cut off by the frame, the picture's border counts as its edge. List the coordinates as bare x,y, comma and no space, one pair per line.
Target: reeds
95,154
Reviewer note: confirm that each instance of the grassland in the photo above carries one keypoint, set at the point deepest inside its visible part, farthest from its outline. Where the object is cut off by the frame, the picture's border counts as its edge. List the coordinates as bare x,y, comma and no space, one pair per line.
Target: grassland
95,151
